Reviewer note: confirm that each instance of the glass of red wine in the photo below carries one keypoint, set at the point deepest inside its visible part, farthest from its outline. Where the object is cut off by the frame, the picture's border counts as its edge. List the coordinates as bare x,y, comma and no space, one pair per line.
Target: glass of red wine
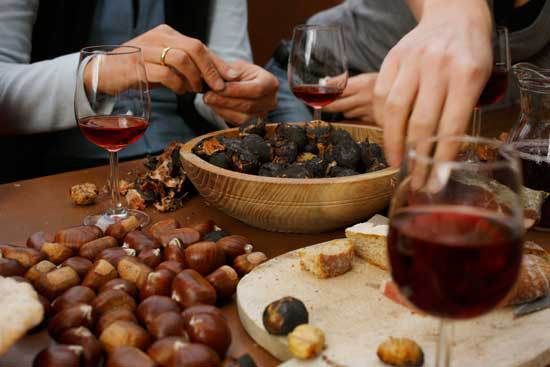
456,230
496,86
317,65
112,107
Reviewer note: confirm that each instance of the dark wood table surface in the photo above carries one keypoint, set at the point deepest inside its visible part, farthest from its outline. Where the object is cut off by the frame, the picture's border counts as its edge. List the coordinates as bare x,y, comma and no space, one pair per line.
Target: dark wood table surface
43,204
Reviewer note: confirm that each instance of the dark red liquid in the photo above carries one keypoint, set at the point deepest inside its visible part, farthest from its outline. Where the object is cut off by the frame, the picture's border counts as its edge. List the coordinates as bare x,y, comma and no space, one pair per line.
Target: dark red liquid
494,89
316,96
536,174
452,261
112,132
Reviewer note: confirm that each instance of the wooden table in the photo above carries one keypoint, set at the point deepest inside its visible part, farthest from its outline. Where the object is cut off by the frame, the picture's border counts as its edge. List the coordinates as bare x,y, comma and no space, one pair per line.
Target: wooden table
43,204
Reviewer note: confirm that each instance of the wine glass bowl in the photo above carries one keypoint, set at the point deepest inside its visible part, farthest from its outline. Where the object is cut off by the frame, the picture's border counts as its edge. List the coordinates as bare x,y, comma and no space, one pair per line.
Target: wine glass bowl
317,65
112,107
456,229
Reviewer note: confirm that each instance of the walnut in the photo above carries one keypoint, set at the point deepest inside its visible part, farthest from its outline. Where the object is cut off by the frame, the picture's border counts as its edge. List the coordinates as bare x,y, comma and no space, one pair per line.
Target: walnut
400,352
135,200
84,194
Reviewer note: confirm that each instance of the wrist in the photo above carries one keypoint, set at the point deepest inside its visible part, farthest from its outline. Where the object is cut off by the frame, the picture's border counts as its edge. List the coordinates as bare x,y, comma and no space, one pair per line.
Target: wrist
476,13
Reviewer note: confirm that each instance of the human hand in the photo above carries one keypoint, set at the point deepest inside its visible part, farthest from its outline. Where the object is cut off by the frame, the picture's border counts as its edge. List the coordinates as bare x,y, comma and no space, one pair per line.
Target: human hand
430,81
252,93
356,100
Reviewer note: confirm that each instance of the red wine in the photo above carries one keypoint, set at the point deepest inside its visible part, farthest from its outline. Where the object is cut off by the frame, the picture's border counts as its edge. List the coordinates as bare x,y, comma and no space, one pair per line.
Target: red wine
317,96
453,261
113,132
494,89
536,172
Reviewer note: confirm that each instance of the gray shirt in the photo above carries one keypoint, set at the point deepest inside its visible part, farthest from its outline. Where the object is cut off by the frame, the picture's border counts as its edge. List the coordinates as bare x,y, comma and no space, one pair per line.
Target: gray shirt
372,27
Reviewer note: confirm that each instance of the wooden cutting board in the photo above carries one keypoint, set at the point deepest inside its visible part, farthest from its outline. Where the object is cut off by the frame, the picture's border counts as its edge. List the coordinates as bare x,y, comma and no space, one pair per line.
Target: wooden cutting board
356,318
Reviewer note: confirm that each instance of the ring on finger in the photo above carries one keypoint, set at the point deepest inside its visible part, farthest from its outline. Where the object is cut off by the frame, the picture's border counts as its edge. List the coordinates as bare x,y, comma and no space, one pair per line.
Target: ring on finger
163,55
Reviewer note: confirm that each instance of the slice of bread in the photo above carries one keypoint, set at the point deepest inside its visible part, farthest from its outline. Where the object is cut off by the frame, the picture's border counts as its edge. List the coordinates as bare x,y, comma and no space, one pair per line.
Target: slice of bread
369,240
328,259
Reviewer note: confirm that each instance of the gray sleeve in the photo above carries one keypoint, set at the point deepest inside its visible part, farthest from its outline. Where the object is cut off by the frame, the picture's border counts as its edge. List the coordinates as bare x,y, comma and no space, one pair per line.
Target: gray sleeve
34,97
228,38
533,43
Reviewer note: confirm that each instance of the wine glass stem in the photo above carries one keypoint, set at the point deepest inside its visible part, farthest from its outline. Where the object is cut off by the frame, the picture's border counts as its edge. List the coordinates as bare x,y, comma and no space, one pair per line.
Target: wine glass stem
117,208
316,114
476,125
443,356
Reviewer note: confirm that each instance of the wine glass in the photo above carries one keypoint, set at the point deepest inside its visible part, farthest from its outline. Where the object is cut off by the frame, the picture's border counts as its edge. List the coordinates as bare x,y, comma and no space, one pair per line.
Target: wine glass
456,229
317,65
112,107
496,86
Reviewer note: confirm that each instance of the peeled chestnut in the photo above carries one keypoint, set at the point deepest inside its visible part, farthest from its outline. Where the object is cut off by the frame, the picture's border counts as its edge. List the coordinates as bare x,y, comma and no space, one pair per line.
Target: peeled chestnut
36,271
174,266
36,240
60,355
75,316
157,229
186,236
133,270
9,268
90,250
154,306
167,324
224,280
56,281
129,357
193,354
234,246
121,228
245,263
122,314
115,254
204,257
190,288
164,349
282,316
90,345
158,283
194,310
210,330
79,264
140,241
124,333
120,285
101,272
151,257
56,252
112,299
72,296
75,237
25,256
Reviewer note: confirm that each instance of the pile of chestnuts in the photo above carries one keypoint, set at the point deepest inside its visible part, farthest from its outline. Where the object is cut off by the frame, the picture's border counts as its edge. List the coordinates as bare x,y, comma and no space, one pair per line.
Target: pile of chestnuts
131,297
314,150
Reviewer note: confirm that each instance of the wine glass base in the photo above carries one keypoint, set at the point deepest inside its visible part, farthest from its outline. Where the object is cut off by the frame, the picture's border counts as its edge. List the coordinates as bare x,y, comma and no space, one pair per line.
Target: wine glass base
104,220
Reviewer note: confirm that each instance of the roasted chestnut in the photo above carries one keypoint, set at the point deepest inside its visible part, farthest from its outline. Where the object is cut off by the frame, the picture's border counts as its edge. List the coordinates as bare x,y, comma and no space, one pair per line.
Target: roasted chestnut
190,288
129,357
124,333
154,306
91,250
204,257
120,285
83,337
158,283
210,330
282,316
167,324
79,264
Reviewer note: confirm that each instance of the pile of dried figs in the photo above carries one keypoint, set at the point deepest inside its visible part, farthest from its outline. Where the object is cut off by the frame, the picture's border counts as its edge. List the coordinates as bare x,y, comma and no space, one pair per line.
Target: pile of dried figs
314,150
132,297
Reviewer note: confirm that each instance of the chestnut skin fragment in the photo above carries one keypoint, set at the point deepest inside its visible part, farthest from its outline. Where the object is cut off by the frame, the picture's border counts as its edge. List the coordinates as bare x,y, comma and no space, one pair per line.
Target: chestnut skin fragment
282,316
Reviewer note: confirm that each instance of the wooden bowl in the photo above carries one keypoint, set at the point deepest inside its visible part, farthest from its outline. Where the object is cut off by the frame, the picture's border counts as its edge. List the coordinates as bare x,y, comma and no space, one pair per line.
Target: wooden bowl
289,204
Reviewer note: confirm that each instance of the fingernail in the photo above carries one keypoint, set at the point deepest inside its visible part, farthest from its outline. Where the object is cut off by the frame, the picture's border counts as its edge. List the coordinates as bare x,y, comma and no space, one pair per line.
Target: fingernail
232,73
206,98
219,84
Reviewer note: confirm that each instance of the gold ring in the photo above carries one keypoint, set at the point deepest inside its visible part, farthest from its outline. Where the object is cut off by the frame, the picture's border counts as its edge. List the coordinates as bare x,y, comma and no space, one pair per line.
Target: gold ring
163,55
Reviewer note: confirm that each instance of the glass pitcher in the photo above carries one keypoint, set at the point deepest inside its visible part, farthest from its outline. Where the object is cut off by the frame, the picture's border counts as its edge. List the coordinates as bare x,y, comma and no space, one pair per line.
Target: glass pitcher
531,135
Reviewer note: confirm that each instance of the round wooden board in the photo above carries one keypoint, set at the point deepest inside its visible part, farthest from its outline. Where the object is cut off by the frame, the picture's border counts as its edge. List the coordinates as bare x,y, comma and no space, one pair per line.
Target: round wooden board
356,318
